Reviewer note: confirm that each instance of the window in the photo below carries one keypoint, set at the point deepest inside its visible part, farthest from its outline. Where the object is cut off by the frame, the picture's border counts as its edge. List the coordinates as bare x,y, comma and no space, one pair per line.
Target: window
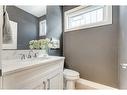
87,16
42,25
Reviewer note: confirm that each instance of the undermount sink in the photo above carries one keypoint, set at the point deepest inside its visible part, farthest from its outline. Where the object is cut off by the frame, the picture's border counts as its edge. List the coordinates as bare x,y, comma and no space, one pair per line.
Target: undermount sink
25,60
37,58
19,62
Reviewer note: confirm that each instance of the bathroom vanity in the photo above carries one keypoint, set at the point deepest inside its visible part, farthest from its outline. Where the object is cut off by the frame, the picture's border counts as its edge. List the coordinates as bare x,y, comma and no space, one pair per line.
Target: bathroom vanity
32,73
39,73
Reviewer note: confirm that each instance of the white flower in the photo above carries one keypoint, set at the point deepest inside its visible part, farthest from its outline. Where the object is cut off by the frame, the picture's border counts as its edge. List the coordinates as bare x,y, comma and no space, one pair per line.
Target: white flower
40,44
47,39
31,46
50,45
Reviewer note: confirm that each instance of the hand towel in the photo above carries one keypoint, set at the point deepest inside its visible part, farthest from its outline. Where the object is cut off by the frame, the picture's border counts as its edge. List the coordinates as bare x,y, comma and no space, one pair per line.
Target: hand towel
7,32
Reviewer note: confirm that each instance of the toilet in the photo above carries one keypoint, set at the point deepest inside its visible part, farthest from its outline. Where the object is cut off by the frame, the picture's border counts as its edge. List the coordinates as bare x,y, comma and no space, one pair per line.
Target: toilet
70,77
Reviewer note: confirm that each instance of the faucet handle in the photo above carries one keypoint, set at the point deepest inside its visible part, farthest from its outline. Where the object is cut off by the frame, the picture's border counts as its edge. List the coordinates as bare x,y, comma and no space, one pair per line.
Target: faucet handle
36,54
22,56
29,56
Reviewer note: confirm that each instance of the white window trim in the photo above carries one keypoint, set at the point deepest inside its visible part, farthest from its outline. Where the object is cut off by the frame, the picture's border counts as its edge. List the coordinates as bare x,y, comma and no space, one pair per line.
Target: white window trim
107,19
40,29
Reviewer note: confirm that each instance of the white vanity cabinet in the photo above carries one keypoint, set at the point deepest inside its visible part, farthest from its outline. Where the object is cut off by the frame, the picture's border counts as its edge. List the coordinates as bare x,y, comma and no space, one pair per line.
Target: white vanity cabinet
41,76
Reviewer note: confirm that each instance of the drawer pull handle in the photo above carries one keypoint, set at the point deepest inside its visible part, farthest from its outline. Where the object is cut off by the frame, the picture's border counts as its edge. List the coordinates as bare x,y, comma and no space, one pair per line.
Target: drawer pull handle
124,66
46,84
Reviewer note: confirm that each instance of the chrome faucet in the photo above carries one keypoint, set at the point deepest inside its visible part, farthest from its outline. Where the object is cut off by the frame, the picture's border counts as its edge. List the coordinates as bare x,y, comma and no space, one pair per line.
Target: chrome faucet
30,54
35,54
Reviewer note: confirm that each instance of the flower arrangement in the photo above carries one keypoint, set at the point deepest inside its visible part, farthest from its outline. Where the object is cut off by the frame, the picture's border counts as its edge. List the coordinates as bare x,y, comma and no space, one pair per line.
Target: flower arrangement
41,44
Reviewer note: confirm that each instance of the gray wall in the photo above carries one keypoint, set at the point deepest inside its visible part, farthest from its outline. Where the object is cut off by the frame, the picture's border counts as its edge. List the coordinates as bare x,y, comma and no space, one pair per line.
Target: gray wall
54,26
93,52
27,26
123,46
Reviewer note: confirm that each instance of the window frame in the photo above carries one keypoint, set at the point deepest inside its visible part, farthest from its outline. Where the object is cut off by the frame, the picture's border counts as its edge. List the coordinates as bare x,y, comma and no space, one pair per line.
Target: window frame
84,9
40,29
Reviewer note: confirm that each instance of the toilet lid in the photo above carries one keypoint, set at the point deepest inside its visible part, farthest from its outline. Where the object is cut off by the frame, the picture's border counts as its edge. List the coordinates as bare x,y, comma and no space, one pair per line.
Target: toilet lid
68,72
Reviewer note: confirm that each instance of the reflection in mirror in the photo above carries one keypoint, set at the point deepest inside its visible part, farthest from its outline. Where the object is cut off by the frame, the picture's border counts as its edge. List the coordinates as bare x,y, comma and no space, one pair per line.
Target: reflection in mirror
42,28
26,24
13,43
34,24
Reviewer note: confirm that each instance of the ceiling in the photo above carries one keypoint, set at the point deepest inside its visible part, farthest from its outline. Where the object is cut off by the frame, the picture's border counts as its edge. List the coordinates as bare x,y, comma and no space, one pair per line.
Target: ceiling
37,11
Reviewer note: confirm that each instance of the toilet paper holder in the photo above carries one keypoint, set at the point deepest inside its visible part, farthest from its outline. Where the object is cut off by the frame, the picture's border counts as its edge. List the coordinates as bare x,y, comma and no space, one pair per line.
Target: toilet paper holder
124,66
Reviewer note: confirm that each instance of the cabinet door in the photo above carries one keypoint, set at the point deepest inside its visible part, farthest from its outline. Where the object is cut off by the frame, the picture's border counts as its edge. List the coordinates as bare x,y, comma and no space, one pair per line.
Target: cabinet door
42,86
56,82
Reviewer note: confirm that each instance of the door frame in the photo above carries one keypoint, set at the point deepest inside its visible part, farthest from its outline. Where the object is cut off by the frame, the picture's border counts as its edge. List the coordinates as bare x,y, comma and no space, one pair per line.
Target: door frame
1,25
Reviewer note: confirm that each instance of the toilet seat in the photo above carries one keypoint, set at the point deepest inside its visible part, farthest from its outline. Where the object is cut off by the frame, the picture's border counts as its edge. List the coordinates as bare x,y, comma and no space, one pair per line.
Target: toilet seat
71,73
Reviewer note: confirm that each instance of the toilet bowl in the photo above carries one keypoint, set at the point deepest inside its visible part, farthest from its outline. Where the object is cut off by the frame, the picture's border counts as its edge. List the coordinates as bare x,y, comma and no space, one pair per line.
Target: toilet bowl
70,77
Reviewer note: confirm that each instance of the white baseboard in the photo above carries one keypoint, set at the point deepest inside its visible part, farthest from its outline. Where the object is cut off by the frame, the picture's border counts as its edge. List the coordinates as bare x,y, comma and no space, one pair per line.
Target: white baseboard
86,84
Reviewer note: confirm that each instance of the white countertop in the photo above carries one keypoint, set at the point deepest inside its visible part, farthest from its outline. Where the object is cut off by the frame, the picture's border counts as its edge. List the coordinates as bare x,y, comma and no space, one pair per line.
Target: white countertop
11,66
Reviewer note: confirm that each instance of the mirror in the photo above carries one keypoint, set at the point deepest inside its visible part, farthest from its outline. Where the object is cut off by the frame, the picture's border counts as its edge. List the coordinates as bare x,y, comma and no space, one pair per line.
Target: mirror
31,23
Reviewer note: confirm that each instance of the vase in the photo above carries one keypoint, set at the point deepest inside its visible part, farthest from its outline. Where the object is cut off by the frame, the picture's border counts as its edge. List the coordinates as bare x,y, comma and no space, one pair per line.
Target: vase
46,52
